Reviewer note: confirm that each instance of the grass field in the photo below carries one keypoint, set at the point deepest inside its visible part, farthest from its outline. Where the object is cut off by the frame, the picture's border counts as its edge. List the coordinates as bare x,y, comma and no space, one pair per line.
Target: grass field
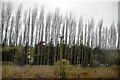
34,71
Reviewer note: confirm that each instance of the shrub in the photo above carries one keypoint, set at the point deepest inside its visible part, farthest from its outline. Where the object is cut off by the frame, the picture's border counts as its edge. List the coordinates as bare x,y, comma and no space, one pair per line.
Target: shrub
62,68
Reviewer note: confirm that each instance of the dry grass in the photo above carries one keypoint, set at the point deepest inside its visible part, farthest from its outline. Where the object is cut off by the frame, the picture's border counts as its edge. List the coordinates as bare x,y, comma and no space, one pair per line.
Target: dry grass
0,70
31,71
90,72
27,71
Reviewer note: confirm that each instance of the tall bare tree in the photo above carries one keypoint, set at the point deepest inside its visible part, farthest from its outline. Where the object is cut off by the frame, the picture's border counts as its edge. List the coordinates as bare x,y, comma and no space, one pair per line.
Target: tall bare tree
85,33
25,27
100,28
90,29
106,37
34,15
2,21
17,25
80,31
118,28
28,27
8,16
113,36
41,24
11,29
47,28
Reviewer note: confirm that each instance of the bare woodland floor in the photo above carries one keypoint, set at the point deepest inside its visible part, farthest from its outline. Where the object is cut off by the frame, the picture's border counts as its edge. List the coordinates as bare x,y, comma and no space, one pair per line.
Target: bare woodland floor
37,71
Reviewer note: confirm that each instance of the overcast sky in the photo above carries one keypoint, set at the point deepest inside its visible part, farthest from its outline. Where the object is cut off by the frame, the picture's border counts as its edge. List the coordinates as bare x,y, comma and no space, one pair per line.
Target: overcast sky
97,9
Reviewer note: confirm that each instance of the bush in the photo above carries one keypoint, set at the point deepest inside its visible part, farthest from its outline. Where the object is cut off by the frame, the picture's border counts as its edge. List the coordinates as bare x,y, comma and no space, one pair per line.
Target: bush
61,69
95,63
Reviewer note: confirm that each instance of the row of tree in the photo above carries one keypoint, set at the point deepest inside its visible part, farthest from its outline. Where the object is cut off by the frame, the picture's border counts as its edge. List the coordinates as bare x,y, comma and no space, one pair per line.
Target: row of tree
48,38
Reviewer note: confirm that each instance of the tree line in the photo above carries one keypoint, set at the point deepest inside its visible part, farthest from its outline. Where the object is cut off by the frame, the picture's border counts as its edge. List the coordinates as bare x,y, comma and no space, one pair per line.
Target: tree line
44,39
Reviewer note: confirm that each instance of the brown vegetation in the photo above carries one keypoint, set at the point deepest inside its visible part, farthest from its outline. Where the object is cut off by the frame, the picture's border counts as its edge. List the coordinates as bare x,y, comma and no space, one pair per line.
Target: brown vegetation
45,71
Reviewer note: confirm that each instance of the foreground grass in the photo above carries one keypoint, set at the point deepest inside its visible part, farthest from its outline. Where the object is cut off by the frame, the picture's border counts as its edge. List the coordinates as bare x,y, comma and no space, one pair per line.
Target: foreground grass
90,72
27,71
33,71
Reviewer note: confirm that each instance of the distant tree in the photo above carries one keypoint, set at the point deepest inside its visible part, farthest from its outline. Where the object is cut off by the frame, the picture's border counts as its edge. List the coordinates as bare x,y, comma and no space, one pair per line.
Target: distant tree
118,28
106,37
36,32
36,56
66,31
2,21
80,40
8,16
47,37
80,31
90,44
96,37
100,27
51,53
90,29
41,23
11,30
103,38
113,36
20,38
92,39
73,41
56,25
33,23
109,38
25,28
63,28
17,25
34,15
40,28
47,28
65,56
70,25
66,37
85,35
28,27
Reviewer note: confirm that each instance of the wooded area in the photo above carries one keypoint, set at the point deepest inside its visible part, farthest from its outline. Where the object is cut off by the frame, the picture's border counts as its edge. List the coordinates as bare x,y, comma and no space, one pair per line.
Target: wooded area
31,37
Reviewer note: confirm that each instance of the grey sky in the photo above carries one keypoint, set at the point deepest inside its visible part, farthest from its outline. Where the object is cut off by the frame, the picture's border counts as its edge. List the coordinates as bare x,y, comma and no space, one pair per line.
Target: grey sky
97,9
